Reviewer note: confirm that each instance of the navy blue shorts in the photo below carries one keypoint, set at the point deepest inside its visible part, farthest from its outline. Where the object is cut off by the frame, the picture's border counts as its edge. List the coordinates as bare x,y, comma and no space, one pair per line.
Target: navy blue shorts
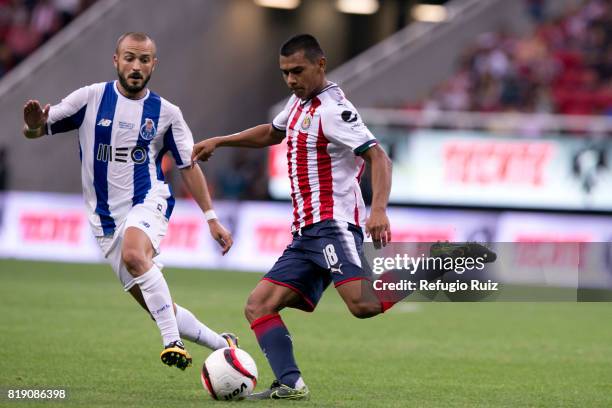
321,253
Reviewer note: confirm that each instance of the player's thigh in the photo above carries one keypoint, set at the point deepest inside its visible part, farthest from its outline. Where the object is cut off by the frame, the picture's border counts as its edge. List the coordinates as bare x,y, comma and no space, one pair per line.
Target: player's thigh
111,248
299,272
135,239
356,291
267,298
342,252
143,231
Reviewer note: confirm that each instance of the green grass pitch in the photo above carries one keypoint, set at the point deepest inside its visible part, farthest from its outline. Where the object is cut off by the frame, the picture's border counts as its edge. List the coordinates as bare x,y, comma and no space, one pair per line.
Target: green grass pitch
71,325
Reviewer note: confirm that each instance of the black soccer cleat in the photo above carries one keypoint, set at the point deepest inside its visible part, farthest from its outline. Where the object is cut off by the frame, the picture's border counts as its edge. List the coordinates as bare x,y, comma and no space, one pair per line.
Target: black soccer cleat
281,391
174,354
231,338
462,250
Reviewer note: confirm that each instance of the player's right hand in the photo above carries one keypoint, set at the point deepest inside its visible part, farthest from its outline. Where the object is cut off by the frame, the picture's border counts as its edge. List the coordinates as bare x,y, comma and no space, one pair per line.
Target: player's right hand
378,227
203,150
34,115
221,235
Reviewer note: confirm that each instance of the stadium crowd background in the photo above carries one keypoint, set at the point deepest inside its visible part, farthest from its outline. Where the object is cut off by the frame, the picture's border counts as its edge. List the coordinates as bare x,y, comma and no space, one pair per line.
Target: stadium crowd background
509,143
27,24
564,65
24,26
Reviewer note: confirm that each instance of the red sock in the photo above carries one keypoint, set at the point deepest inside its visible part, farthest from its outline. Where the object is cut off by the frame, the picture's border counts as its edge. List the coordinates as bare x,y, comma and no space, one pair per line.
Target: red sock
388,298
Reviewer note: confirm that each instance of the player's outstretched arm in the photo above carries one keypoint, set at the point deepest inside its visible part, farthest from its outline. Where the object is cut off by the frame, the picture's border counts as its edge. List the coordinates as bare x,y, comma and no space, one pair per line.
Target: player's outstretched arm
196,184
35,118
255,137
378,225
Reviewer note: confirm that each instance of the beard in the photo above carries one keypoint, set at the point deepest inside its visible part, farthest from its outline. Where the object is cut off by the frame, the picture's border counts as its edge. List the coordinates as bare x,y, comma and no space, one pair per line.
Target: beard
133,89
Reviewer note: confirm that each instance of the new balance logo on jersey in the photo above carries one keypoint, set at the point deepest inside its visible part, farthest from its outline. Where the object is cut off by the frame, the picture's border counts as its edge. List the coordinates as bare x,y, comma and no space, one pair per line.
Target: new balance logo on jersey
138,154
105,122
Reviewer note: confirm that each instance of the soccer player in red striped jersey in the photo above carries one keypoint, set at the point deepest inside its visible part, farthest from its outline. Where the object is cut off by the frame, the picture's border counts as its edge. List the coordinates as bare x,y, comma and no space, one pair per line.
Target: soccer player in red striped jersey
328,145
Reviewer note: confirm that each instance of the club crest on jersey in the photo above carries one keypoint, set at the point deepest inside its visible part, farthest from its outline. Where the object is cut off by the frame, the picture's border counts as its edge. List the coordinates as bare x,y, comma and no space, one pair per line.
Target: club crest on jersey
147,130
306,122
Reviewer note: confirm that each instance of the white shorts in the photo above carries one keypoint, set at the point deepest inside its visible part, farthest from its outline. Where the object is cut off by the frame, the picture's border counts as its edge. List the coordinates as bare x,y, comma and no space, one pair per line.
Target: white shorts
147,218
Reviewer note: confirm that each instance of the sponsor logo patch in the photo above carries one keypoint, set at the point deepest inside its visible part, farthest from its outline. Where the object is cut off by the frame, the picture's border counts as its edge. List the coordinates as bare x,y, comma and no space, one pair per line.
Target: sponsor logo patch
349,116
126,125
139,155
337,270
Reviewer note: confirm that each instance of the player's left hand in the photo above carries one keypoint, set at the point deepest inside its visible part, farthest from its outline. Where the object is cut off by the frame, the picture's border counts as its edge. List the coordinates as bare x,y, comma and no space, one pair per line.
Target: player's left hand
221,235
379,228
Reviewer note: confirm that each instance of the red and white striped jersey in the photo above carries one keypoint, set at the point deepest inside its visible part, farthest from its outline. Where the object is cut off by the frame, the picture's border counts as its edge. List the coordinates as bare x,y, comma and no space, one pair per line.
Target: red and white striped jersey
325,138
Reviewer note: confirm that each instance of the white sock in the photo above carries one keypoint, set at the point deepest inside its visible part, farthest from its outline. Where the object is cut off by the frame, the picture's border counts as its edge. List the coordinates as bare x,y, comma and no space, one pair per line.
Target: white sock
194,330
157,297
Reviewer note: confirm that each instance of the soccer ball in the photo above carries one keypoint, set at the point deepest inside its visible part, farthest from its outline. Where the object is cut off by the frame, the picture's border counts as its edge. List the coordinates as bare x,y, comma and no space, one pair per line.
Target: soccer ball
229,374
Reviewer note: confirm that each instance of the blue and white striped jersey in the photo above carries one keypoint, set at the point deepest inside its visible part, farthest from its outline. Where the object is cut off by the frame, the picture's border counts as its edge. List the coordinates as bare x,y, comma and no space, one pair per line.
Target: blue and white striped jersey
122,142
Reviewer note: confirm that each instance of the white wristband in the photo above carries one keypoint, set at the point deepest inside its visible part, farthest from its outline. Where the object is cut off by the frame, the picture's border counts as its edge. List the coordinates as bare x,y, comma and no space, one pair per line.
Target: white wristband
210,215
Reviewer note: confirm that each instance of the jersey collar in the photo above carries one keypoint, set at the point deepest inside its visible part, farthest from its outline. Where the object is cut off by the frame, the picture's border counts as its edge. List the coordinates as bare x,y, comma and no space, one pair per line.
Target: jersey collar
327,87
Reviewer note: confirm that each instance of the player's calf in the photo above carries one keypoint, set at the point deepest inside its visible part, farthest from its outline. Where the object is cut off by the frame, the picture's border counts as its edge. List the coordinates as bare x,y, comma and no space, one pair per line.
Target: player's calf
360,299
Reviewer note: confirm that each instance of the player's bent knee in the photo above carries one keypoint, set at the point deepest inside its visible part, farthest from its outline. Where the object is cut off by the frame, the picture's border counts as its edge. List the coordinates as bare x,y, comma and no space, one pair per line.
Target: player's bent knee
249,312
363,310
134,260
254,309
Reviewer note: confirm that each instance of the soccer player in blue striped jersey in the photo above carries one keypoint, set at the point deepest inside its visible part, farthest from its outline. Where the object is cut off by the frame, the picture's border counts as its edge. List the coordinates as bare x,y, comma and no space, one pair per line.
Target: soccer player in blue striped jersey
124,131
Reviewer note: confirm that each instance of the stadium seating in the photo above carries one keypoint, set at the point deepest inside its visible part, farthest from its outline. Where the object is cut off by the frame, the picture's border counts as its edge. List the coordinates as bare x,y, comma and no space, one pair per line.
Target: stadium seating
25,25
564,66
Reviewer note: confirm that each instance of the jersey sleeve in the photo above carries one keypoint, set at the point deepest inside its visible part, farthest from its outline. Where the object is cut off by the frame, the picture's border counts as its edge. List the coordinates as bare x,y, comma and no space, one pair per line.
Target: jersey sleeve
280,121
342,125
69,113
179,140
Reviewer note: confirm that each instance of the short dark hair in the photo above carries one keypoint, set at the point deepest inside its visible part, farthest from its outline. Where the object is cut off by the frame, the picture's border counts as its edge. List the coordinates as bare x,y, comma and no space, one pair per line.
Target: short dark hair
138,36
303,42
